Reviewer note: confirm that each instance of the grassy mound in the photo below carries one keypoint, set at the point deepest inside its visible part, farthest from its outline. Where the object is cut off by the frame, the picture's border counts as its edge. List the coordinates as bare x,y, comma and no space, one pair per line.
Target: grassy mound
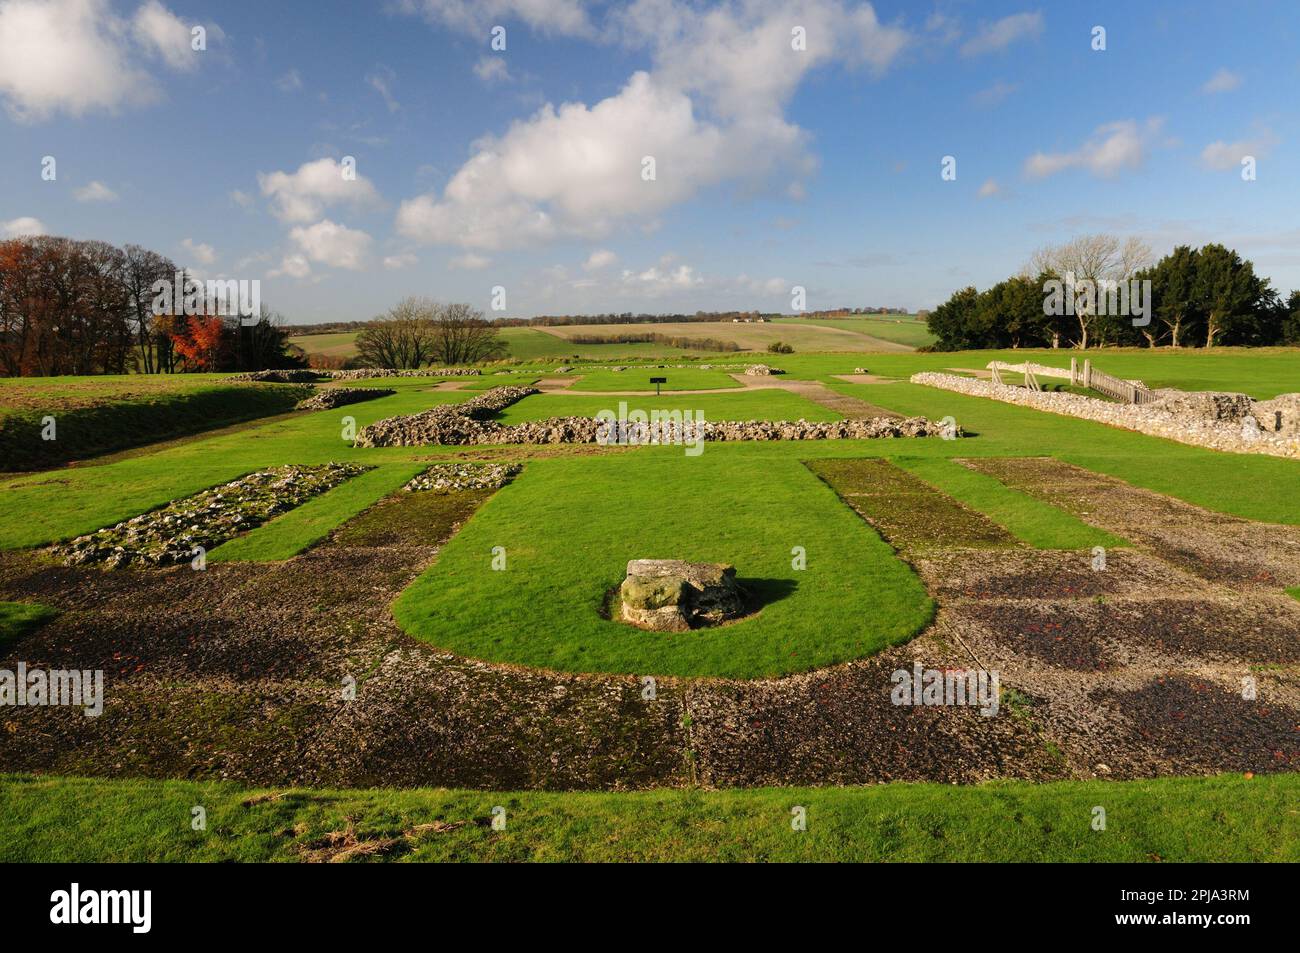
110,425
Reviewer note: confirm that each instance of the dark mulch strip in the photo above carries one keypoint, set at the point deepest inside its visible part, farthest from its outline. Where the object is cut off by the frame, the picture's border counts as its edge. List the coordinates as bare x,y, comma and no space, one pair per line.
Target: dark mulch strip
908,512
1069,640
1214,546
841,727
1195,725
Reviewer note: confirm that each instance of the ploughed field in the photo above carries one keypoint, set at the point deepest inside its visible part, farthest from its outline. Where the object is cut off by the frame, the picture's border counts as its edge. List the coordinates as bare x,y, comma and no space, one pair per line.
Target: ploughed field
1121,586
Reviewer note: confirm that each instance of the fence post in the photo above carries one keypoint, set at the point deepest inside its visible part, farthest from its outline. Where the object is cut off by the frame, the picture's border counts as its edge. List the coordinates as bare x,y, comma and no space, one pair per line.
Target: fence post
1074,372
1087,372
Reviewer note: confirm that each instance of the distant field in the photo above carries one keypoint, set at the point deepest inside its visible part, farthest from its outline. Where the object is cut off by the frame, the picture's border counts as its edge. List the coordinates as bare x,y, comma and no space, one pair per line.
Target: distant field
866,334
799,334
898,329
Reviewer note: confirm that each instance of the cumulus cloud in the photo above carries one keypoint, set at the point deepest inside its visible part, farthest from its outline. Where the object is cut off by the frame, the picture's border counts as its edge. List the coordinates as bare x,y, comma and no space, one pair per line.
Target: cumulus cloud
989,188
163,33
397,262
1111,149
492,69
203,253
992,95
1221,156
600,258
711,110
331,244
66,55
291,266
1223,81
78,56
26,225
997,36
303,195
95,192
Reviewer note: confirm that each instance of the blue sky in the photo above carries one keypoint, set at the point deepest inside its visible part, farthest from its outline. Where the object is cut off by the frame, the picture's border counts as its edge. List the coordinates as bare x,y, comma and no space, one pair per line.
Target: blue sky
522,169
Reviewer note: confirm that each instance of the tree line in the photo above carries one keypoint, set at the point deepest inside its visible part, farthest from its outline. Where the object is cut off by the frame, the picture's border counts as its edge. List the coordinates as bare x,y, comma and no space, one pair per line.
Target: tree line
1067,296
89,307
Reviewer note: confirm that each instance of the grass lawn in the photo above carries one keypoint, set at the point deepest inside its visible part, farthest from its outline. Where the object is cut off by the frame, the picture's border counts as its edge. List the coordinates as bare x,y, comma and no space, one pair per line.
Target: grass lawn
17,619
569,527
292,532
742,405
1226,818
1039,524
91,419
638,378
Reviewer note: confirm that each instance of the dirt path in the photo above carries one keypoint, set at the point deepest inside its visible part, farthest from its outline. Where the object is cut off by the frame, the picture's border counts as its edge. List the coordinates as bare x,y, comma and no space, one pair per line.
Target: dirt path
239,671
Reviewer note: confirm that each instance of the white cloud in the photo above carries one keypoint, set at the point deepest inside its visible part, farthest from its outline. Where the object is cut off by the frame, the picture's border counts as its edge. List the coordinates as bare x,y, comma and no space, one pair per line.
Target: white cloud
95,192
290,82
328,243
600,258
66,55
492,69
469,262
161,32
562,17
709,112
1221,156
203,253
997,36
1223,81
382,81
303,195
1112,148
655,281
397,262
291,266
26,225
241,198
989,188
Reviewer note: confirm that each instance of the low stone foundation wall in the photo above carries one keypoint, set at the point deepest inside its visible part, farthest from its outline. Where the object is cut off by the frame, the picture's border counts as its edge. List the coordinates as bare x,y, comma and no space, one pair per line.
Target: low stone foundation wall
1158,420
467,423
310,375
169,535
341,396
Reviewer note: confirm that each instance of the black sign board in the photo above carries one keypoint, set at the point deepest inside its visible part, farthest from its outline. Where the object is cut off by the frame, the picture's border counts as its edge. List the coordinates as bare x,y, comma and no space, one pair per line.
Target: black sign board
657,381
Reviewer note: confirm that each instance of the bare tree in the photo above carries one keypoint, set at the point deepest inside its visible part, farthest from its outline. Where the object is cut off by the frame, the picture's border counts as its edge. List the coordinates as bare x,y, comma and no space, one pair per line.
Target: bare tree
1093,258
402,338
462,336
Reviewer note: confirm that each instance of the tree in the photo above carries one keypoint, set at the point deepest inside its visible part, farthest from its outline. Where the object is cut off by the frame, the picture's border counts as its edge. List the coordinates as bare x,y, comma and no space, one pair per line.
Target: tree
1230,296
1095,259
953,322
462,336
1173,293
403,338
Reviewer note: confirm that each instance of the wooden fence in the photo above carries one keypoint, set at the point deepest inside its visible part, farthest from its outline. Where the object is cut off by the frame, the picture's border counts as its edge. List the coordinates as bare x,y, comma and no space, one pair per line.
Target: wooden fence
1131,392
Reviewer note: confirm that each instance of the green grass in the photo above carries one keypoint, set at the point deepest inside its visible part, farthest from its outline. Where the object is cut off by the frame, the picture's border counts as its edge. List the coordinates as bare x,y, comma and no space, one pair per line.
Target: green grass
18,619
742,405
569,527
120,420
1227,818
290,533
1039,524
896,329
638,378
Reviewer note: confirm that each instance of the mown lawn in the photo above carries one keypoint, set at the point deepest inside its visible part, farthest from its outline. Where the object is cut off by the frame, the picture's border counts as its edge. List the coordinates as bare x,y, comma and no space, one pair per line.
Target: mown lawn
637,377
741,405
1228,818
568,527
